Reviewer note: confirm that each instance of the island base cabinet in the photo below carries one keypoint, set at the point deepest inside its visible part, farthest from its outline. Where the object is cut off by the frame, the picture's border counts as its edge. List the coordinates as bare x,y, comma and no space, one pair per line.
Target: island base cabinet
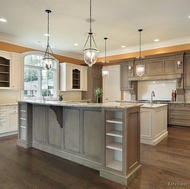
121,145
153,125
105,139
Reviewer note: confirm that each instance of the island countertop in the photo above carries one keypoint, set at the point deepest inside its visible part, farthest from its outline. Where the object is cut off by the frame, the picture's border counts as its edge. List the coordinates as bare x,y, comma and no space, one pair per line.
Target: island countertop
83,104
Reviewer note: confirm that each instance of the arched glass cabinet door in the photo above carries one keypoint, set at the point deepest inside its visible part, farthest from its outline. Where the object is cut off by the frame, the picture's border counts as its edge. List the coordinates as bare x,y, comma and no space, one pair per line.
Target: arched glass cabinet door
76,78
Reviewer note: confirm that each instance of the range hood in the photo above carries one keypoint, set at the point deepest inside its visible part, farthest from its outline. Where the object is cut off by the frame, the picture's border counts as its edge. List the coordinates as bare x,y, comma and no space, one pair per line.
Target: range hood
156,77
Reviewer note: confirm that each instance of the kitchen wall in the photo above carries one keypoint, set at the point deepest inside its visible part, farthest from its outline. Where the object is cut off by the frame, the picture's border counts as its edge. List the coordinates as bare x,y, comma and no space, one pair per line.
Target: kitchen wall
162,89
9,96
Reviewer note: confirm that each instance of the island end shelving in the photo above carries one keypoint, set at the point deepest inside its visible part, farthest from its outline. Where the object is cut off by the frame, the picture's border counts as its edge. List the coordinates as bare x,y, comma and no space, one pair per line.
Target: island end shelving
105,137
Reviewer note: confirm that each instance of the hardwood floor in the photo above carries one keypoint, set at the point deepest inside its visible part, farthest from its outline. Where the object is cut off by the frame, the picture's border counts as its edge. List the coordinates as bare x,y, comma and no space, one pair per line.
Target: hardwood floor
165,166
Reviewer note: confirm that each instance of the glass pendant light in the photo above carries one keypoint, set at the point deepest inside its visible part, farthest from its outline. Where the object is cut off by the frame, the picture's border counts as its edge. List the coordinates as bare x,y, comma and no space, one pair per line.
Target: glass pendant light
140,67
48,60
90,53
105,71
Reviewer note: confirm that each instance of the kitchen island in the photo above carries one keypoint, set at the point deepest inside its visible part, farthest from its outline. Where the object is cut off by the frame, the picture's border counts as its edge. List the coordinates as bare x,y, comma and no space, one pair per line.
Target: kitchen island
153,123
103,136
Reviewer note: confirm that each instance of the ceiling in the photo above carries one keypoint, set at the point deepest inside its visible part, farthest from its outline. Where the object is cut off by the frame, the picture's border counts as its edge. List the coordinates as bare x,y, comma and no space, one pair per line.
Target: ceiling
167,20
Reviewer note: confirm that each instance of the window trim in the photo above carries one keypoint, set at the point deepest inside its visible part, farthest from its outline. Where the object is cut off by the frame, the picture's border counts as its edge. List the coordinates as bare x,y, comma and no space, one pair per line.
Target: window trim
56,82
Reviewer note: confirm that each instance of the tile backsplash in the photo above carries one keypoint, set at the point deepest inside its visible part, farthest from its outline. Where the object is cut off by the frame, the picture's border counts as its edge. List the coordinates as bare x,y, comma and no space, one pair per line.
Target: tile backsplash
162,89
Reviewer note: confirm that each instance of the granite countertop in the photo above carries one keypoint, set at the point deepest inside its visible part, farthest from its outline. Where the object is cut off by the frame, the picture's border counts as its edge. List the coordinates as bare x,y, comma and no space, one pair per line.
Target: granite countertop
83,104
179,102
8,103
149,105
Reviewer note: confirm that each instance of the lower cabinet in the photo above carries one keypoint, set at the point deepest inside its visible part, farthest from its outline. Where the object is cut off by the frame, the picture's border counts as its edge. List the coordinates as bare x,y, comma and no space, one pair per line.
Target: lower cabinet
121,144
179,114
105,139
8,120
24,125
153,124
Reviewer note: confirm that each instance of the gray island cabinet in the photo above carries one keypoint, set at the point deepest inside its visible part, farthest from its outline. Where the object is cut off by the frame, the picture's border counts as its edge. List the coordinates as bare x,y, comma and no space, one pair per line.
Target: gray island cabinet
105,137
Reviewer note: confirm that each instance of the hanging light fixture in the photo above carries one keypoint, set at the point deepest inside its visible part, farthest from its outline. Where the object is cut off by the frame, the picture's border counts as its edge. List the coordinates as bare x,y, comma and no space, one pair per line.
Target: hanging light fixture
140,67
105,71
90,53
48,60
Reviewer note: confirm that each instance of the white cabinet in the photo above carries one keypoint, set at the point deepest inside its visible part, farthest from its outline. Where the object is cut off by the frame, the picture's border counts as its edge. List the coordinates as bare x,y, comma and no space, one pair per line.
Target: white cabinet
73,77
8,120
17,71
111,84
11,70
3,118
153,123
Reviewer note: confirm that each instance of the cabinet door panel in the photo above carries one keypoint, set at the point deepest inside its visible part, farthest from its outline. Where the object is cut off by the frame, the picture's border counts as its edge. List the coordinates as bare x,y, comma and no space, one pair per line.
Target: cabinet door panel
54,130
39,123
93,134
71,129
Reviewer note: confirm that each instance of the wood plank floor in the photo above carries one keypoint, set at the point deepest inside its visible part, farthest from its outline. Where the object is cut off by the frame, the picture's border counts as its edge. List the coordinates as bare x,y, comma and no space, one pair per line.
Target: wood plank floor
165,166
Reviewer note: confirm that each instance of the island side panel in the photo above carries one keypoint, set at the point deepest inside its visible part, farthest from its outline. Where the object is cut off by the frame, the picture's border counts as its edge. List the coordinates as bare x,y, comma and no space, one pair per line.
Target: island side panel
39,123
71,129
92,133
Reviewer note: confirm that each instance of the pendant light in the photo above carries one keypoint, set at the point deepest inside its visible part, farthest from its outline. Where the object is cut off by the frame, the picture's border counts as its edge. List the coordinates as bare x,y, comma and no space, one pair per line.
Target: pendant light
140,67
90,53
105,71
48,60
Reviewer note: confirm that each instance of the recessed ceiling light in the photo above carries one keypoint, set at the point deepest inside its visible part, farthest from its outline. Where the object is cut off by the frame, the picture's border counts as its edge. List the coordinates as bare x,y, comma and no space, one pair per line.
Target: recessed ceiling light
3,20
76,44
46,34
123,46
156,40
189,16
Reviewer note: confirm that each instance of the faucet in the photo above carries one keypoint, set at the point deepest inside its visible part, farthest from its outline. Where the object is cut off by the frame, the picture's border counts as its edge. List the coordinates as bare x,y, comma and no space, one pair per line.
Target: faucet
152,95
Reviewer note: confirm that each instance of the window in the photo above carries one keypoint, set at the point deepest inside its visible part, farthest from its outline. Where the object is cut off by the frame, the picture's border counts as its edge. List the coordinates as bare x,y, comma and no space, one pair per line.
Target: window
39,82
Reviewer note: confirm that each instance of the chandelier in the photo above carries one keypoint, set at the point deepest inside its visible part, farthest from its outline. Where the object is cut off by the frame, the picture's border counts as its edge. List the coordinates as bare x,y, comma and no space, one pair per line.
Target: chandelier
140,67
48,60
105,71
90,53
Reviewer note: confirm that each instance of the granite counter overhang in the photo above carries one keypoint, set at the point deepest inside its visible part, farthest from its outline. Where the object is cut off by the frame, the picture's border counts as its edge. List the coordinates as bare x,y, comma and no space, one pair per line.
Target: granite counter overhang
82,104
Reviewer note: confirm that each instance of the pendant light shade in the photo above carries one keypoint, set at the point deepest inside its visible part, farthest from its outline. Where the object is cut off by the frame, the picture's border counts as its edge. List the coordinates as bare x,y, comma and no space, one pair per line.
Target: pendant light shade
140,67
90,52
48,60
105,71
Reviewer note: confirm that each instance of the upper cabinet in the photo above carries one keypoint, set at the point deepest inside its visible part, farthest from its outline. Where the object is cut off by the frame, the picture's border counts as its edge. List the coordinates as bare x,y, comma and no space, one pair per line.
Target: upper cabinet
17,71
161,67
187,71
126,73
11,70
73,77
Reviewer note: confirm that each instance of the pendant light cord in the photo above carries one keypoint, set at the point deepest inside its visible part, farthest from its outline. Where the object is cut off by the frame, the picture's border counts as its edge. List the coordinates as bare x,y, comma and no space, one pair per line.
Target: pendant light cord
140,30
105,49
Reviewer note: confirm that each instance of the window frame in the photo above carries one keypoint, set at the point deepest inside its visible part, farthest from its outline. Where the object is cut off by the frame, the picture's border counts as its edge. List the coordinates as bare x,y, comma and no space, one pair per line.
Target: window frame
40,68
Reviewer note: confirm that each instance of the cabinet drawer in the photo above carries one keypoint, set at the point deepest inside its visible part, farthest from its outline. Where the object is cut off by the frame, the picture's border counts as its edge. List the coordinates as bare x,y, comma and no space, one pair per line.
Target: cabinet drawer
12,109
2,119
2,126
2,114
2,108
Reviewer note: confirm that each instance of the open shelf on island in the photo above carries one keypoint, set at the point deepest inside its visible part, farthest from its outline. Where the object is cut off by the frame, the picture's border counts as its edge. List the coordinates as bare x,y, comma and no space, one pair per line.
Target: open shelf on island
115,146
115,164
114,120
114,133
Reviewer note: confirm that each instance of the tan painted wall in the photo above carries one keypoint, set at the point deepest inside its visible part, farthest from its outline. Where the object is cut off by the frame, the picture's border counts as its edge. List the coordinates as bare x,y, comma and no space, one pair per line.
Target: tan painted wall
19,49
